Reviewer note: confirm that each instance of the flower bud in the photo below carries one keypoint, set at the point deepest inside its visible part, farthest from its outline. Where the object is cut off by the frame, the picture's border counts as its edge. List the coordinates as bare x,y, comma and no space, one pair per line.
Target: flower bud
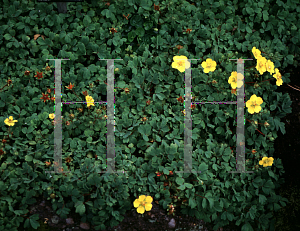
255,122
116,69
155,29
80,109
266,124
48,68
148,102
71,116
67,123
272,138
256,85
214,82
253,151
52,195
126,90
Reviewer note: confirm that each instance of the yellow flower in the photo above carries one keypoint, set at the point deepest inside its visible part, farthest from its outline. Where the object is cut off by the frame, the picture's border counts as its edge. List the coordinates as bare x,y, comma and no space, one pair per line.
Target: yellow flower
89,100
233,80
256,53
10,121
209,65
270,66
51,116
266,161
253,104
183,112
278,76
261,65
142,203
181,63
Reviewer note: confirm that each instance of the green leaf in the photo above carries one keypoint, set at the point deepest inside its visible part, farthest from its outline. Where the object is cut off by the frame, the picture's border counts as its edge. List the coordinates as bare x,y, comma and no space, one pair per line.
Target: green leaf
32,142
80,207
272,107
250,10
204,203
68,38
265,15
161,96
7,36
211,202
89,140
30,129
247,227
17,108
145,129
131,36
145,137
24,130
28,158
73,144
88,132
81,48
136,21
92,68
262,199
121,84
182,187
140,32
219,130
192,202
9,45
188,185
34,224
228,10
280,29
179,180
228,68
87,20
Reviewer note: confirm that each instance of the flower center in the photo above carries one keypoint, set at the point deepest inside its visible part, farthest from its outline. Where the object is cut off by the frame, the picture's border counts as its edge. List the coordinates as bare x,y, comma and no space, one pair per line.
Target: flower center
180,63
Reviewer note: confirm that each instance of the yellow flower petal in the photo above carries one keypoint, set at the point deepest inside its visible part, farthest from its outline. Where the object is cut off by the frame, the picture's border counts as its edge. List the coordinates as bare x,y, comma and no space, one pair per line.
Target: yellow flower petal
142,198
141,209
257,109
136,203
149,199
148,207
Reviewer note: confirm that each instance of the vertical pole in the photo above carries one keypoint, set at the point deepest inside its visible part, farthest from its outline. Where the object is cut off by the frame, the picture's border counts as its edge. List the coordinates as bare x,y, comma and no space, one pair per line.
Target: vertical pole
240,140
